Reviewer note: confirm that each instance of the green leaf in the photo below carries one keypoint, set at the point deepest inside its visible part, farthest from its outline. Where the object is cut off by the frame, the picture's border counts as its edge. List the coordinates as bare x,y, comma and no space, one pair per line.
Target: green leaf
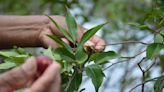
102,57
145,27
7,65
61,42
75,83
153,50
7,53
19,59
87,35
65,33
96,74
48,52
72,26
159,84
64,54
158,38
81,56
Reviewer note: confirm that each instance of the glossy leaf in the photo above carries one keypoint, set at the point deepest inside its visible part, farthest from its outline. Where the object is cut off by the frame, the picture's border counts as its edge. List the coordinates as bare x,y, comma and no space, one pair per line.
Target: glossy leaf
153,49
62,30
96,74
159,84
7,65
102,57
61,42
72,26
87,35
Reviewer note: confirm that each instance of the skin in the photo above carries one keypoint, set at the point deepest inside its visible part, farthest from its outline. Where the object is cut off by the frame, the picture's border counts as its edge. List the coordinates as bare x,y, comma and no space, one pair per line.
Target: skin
31,31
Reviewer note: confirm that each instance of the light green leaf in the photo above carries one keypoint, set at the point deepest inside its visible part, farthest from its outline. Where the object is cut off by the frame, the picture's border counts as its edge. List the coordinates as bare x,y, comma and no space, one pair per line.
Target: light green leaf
72,26
102,57
159,84
87,35
75,83
153,50
7,65
48,52
158,38
96,74
7,53
65,33
61,42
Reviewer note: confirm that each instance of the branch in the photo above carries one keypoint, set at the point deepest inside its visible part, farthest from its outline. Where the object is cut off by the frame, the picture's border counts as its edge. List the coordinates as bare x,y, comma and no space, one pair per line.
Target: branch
114,64
135,55
143,83
126,42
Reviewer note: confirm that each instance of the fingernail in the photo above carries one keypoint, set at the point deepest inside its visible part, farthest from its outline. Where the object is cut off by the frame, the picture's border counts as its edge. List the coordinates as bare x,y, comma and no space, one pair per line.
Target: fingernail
89,43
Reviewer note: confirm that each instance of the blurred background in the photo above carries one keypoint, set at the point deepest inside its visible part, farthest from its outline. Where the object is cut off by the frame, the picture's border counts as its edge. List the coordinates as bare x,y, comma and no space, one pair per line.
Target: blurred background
132,25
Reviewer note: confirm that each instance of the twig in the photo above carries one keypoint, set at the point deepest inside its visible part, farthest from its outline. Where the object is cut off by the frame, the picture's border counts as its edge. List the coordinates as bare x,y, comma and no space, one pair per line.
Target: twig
135,55
114,64
143,83
125,42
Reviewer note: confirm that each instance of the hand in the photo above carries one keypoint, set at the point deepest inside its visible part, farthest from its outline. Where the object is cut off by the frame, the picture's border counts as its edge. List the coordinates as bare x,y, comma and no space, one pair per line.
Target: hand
24,75
96,42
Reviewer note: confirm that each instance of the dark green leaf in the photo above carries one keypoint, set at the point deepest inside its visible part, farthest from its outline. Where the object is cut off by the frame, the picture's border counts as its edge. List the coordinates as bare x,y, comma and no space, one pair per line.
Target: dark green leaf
102,57
145,27
7,65
87,35
65,33
96,74
72,26
61,42
159,84
75,83
154,49
81,56
64,54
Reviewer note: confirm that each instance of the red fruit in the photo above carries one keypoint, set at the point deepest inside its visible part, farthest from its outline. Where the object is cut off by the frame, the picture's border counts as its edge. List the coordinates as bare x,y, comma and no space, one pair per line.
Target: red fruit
42,63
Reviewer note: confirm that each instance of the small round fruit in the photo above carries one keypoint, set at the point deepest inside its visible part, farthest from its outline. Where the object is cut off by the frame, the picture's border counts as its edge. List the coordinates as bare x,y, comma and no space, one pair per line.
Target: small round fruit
42,63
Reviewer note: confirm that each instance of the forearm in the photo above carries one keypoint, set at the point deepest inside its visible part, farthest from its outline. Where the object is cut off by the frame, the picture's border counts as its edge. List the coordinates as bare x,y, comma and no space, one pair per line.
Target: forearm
21,31
24,31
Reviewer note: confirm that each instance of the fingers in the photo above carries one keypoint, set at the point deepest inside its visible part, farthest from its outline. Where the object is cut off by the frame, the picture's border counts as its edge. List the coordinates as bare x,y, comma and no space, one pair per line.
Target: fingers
49,81
46,41
18,77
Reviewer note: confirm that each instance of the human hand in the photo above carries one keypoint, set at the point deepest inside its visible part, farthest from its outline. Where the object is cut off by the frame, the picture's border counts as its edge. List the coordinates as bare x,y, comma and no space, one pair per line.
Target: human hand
96,42
24,76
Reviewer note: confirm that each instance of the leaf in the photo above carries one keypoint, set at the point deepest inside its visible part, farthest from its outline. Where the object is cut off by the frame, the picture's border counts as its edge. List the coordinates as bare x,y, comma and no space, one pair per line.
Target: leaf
158,38
48,52
153,50
19,59
87,35
61,42
7,65
102,57
75,83
81,56
7,53
145,27
159,84
65,33
72,26
64,54
96,74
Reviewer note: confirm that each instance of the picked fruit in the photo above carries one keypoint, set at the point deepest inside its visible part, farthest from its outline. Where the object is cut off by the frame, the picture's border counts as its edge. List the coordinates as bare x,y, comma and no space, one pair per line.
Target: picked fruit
42,63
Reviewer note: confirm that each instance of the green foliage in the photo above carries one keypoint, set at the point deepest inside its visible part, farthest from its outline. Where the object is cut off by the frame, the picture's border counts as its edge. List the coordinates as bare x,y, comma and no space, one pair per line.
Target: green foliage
159,84
96,74
154,49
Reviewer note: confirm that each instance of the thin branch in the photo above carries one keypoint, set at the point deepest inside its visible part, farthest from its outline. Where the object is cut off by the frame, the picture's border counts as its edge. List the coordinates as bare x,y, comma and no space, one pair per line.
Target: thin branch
143,83
135,55
114,64
126,42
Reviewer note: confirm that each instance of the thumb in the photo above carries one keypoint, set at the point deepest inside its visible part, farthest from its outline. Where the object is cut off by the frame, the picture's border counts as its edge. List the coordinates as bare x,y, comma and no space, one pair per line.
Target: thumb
18,77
